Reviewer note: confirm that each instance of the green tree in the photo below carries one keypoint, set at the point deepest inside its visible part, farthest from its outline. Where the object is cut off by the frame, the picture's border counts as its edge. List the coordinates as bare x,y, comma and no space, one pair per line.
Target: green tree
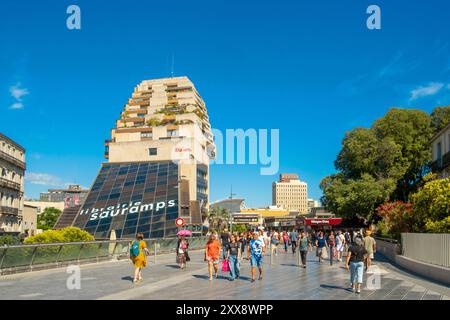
355,197
411,130
431,204
440,117
218,218
69,234
239,228
47,219
364,153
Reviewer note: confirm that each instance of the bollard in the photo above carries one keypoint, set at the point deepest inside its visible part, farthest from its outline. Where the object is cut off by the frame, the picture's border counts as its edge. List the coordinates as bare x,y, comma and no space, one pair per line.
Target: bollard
271,255
155,252
299,263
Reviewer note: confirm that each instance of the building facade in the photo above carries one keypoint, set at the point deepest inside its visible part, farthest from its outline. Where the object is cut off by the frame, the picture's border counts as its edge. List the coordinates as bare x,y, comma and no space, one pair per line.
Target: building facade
231,205
42,205
29,223
290,193
440,145
158,165
12,171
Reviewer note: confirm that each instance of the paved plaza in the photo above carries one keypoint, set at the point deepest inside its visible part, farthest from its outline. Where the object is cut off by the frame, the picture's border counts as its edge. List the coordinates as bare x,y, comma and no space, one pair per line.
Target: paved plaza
163,280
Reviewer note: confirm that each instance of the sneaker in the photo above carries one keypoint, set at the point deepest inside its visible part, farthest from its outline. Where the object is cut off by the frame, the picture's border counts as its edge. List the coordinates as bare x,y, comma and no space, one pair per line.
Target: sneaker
358,291
135,280
253,280
231,279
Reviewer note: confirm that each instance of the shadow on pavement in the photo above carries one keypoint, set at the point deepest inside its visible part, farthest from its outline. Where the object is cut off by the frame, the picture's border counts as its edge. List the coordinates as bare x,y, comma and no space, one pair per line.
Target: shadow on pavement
326,286
127,278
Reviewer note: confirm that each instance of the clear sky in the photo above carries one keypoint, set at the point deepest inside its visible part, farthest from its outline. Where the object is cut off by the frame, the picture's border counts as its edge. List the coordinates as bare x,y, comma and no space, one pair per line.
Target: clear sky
311,69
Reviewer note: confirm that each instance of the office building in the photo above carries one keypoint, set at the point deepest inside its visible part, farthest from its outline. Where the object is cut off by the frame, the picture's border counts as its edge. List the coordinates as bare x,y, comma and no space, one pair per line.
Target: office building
290,193
158,165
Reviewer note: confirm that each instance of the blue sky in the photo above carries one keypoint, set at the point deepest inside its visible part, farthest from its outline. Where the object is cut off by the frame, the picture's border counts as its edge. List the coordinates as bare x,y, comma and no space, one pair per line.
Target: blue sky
311,69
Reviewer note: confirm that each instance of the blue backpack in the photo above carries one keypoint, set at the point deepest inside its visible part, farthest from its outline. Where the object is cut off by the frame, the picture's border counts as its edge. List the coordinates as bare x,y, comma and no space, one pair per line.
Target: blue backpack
134,249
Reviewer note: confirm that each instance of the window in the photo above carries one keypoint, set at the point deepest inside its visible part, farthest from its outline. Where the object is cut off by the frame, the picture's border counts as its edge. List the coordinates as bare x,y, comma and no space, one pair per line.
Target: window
146,134
152,151
172,133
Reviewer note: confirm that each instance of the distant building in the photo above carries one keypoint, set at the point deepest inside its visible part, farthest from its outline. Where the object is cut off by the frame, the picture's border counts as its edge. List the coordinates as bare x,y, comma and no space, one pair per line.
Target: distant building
42,205
12,171
290,193
313,204
73,196
232,205
440,145
29,223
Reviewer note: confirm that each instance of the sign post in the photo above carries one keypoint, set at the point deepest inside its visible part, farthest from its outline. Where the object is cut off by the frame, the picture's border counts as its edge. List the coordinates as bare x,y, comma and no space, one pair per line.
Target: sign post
179,222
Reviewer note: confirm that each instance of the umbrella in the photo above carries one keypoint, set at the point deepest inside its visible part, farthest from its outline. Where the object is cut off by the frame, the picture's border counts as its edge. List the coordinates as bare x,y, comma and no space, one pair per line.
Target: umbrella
184,232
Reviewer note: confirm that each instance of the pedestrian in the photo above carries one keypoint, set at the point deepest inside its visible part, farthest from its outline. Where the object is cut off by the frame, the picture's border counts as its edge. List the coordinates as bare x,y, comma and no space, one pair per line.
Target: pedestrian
321,244
355,262
138,249
370,246
293,237
340,245
182,251
348,239
332,243
256,253
225,238
212,254
234,255
303,245
285,240
274,241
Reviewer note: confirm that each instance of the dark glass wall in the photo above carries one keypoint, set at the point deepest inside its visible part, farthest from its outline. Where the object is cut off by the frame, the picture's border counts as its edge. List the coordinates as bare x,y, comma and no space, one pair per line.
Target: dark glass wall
131,198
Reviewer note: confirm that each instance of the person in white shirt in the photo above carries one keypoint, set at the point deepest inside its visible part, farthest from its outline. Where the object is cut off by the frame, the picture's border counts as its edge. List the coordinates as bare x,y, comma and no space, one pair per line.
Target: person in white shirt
340,245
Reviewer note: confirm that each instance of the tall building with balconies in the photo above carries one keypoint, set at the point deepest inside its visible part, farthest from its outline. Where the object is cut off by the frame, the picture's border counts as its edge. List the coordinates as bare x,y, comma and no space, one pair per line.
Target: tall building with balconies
290,193
158,165
12,171
440,145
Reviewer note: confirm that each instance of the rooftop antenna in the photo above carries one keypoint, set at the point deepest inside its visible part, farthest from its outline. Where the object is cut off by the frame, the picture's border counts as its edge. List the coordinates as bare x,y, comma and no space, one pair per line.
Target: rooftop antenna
231,193
173,62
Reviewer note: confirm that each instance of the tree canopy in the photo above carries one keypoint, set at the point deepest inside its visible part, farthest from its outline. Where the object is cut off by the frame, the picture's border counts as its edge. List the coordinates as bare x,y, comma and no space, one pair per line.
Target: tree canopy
47,219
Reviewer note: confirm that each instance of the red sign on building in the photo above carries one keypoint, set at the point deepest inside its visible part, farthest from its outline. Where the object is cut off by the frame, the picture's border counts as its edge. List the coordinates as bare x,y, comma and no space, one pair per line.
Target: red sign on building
323,222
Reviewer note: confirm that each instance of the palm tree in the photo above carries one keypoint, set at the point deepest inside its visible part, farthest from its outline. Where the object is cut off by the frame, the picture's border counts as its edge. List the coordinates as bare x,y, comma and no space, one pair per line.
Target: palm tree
218,218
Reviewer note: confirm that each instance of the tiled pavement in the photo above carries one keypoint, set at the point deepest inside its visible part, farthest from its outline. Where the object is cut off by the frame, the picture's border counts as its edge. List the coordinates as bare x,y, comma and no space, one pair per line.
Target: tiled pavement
282,280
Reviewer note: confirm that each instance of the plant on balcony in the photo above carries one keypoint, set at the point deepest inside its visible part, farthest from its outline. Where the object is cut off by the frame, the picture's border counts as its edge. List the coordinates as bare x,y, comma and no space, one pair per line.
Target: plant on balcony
153,122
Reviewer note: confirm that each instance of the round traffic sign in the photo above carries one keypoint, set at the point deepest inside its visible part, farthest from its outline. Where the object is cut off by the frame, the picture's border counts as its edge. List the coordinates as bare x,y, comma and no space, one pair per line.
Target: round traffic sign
179,222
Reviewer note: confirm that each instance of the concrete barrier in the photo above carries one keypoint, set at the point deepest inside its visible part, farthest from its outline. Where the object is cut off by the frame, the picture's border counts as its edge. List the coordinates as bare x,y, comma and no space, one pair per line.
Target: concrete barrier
391,251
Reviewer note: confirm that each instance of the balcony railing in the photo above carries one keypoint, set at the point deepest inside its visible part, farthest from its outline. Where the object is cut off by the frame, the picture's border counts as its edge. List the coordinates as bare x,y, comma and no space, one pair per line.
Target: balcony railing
441,163
9,184
12,160
9,211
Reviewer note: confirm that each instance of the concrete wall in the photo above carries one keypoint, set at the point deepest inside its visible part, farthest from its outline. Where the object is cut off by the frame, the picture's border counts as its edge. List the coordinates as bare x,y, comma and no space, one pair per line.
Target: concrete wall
391,252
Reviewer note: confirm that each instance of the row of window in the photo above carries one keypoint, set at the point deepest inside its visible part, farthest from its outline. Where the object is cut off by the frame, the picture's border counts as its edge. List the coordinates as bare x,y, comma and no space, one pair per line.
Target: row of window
11,150
11,175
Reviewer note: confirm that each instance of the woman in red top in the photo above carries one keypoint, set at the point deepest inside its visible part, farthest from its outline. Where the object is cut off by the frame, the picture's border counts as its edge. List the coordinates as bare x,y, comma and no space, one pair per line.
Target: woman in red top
212,253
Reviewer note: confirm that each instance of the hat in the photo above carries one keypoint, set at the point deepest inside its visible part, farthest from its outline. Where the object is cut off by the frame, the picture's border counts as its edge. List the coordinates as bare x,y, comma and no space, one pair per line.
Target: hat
368,232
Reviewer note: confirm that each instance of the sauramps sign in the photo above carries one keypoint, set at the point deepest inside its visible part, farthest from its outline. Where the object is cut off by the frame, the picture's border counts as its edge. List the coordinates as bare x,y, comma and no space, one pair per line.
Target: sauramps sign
126,208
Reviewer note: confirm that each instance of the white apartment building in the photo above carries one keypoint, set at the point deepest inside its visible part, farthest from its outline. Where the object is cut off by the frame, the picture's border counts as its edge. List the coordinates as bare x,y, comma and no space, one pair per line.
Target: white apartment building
290,193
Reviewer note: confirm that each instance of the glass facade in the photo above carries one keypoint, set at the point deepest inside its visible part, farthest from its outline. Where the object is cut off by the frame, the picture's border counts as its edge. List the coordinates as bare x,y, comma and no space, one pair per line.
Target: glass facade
131,198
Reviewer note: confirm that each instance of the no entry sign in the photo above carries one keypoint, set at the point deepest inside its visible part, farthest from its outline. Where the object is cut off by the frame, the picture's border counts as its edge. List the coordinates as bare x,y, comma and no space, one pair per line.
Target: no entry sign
179,222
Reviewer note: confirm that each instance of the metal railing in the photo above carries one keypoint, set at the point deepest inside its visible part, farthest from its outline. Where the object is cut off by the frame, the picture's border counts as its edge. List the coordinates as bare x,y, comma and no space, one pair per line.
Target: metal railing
430,248
23,258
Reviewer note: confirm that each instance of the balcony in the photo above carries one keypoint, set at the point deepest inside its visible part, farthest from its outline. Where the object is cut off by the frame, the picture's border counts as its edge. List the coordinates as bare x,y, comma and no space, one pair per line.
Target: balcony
9,211
9,184
440,164
12,160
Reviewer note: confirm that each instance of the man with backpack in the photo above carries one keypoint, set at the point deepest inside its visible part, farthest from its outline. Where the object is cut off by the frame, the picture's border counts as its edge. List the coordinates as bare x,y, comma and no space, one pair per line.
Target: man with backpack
137,256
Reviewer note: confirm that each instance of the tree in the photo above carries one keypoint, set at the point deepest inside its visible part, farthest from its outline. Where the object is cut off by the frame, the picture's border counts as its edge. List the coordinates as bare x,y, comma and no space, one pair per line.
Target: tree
47,219
351,198
363,152
431,203
440,117
411,130
218,218
397,217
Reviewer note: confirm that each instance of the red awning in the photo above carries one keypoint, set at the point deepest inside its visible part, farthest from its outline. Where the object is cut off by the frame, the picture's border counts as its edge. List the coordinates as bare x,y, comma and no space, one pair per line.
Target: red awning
323,222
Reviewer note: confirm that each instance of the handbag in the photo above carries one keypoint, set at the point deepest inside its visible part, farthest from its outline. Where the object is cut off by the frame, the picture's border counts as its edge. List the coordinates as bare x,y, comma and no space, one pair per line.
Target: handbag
324,253
186,254
225,266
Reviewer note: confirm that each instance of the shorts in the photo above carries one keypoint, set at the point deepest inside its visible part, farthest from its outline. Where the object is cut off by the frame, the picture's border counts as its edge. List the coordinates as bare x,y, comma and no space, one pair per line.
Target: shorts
256,261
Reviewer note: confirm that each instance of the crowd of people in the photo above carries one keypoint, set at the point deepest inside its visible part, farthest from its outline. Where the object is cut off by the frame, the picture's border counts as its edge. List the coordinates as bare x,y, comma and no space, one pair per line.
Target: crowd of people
357,246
